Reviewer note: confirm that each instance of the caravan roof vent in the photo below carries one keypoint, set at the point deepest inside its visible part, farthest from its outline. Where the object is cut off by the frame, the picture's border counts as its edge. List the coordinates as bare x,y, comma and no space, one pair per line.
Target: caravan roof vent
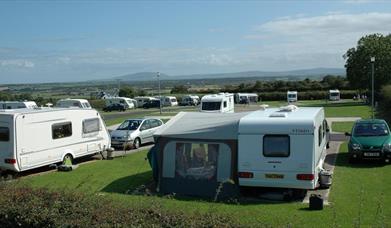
289,108
279,114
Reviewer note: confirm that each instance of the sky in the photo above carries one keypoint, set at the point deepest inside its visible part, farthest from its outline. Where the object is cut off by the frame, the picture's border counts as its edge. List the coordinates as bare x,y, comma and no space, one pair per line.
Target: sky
62,41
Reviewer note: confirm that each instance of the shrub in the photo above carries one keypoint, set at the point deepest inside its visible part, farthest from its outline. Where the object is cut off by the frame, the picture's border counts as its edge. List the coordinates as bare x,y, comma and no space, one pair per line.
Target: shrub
384,110
28,207
98,104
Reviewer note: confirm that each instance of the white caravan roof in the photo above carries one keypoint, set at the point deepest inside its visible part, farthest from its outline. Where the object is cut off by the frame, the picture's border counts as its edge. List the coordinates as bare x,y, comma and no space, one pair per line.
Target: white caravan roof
333,91
248,94
37,110
216,97
292,92
200,125
278,121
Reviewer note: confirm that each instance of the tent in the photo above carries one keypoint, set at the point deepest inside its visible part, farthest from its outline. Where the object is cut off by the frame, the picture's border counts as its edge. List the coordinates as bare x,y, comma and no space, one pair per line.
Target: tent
196,154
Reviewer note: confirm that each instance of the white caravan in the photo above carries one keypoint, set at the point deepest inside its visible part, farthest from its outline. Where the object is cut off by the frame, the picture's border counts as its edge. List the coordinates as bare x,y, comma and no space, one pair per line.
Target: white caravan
169,101
190,100
69,103
221,102
334,95
127,102
40,137
283,148
17,104
291,96
241,98
142,100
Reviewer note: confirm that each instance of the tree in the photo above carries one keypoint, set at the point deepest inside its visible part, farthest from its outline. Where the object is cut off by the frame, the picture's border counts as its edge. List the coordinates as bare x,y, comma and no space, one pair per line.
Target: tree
179,89
358,63
126,92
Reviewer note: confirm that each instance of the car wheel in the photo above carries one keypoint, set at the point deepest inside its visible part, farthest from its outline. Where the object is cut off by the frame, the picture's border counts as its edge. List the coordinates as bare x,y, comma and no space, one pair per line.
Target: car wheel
136,143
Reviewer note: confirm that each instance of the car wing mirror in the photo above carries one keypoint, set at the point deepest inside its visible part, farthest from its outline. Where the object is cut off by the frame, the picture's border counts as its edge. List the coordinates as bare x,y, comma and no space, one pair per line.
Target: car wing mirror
348,134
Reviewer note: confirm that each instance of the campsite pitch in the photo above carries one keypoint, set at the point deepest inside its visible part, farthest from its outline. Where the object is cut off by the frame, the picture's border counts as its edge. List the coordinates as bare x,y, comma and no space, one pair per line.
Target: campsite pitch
358,195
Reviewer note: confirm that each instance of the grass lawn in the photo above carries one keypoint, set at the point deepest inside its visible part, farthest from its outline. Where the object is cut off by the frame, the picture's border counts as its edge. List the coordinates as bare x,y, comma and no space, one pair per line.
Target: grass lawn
346,108
359,195
342,126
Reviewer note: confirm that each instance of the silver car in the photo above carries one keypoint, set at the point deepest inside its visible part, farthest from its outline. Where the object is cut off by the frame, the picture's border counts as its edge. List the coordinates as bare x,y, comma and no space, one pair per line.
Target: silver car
134,132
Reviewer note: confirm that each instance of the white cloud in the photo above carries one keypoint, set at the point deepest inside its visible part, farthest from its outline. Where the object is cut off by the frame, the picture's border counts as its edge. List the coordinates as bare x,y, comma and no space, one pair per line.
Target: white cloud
314,41
16,63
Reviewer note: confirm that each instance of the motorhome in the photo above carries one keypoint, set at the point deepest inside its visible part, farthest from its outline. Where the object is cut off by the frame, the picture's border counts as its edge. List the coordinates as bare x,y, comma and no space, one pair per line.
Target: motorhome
334,95
68,103
245,98
142,100
169,101
127,102
17,104
221,102
291,96
190,100
31,138
282,148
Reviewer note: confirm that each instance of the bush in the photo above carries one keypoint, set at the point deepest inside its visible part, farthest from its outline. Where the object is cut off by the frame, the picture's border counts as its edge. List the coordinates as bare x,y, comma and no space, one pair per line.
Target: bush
28,207
384,110
98,104
308,95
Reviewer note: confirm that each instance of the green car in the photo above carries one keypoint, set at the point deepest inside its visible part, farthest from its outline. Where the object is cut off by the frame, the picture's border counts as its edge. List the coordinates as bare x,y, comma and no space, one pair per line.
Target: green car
370,139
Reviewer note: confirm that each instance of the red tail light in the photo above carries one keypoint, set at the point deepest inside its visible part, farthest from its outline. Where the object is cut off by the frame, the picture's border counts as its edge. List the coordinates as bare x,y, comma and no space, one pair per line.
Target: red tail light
10,160
245,175
308,177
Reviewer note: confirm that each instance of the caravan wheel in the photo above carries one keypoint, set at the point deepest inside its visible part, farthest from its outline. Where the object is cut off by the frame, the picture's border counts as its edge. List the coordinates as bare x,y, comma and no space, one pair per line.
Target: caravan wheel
67,159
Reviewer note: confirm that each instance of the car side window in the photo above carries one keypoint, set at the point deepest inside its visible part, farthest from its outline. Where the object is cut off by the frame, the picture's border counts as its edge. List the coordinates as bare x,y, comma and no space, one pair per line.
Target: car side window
146,125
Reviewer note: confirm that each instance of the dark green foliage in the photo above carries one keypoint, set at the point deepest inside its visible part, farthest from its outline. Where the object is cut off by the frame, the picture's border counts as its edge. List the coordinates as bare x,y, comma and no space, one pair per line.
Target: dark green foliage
179,89
97,103
126,91
358,63
27,207
384,108
307,95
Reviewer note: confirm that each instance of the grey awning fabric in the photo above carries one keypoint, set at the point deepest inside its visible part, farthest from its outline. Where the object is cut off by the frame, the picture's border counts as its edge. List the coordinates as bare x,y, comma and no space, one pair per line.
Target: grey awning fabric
199,125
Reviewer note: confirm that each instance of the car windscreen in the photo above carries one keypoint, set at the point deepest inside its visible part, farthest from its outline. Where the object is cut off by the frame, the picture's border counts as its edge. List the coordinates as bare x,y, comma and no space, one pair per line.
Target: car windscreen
292,95
334,94
370,129
129,125
211,106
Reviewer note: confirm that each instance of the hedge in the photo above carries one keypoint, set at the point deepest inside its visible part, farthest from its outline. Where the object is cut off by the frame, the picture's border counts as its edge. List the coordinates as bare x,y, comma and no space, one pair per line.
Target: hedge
31,207
308,95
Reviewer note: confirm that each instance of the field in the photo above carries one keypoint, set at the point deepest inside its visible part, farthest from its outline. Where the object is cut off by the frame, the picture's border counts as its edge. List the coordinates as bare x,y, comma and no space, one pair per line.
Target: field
339,109
358,196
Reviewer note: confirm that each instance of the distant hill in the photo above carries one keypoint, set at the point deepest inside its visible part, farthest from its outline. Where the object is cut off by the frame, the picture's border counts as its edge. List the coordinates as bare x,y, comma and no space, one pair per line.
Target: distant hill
315,72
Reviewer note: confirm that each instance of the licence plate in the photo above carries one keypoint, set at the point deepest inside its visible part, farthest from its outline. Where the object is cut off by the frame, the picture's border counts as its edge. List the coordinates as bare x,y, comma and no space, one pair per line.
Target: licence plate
372,154
274,176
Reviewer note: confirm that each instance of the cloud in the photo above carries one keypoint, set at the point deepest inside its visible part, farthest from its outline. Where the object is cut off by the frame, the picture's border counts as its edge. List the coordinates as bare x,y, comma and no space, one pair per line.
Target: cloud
16,63
298,40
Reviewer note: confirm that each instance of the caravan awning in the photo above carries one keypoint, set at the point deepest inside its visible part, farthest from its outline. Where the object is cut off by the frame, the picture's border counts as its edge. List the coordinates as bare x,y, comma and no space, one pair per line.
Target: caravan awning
200,125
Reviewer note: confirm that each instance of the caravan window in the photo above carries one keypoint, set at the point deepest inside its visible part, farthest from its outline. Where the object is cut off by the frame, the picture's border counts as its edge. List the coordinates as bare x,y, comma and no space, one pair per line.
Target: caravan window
320,135
276,146
211,106
91,125
196,160
225,104
4,134
61,130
